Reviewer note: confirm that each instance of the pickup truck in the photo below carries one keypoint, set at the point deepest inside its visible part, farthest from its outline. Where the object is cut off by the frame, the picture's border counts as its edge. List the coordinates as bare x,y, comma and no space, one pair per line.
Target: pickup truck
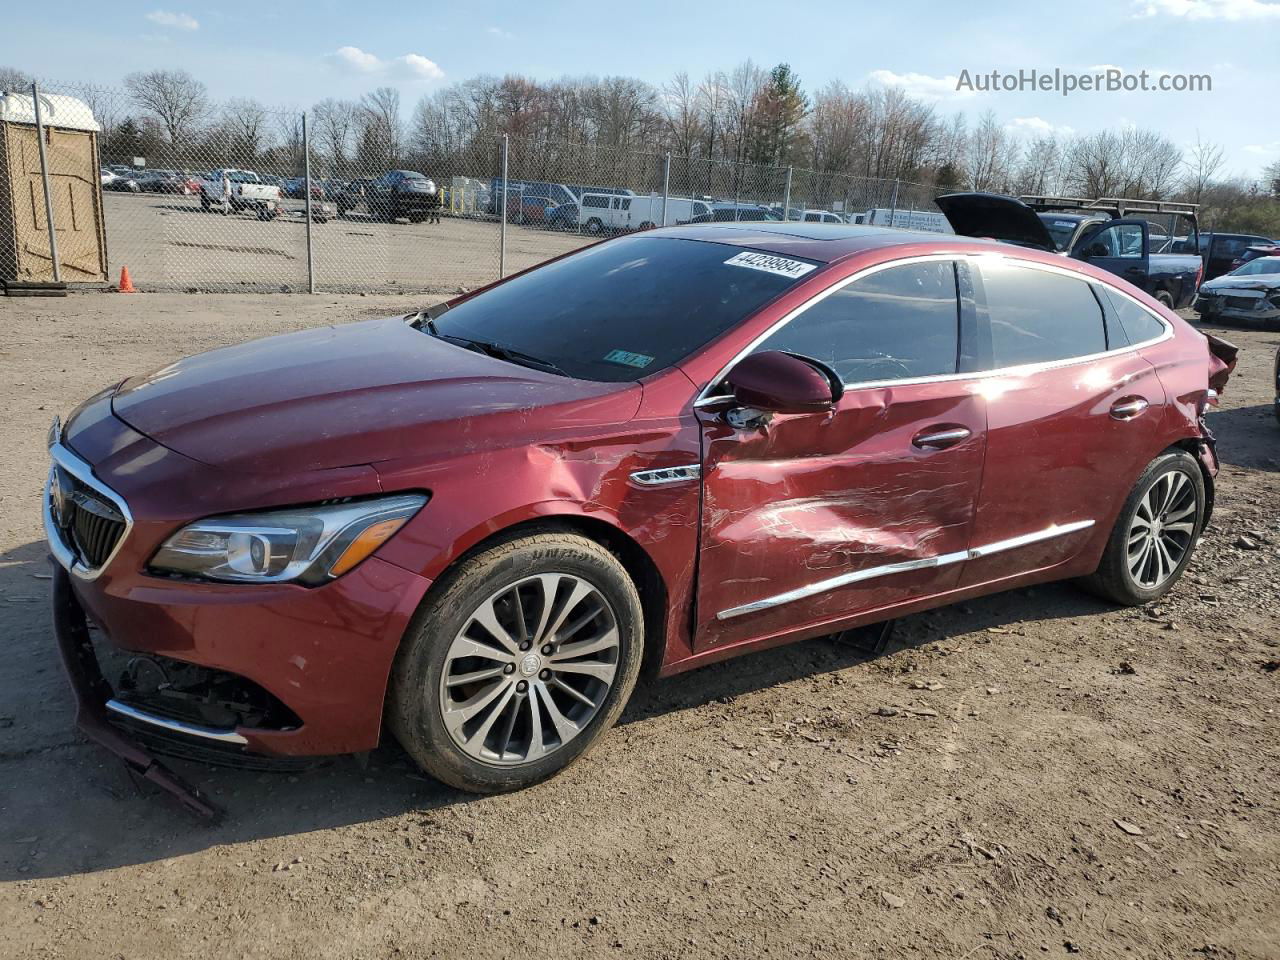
1093,230
248,192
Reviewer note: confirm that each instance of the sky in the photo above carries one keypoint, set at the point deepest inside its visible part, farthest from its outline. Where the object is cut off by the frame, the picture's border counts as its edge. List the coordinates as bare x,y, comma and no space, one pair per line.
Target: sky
293,54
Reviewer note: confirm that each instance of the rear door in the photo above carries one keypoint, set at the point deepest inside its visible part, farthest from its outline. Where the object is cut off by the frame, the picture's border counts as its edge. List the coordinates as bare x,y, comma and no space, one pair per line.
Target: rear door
818,517
1072,413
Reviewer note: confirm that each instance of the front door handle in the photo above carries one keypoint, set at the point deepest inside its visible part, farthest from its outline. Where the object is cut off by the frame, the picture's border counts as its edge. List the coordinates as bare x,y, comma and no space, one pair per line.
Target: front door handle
1128,407
939,438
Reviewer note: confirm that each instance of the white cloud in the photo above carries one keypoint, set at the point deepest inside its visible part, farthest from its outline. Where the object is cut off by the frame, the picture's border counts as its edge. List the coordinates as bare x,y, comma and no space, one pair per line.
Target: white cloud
1038,126
177,21
921,85
353,58
1208,9
1263,149
411,66
417,67
499,32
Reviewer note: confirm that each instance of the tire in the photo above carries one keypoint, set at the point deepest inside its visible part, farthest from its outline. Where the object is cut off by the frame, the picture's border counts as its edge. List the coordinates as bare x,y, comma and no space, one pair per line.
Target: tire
647,225
595,227
554,563
1115,578
204,201
1165,298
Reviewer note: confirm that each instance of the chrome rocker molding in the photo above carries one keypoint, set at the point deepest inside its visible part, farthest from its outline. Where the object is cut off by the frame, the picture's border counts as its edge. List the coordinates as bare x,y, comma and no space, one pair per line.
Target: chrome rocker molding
907,566
175,726
665,475
69,462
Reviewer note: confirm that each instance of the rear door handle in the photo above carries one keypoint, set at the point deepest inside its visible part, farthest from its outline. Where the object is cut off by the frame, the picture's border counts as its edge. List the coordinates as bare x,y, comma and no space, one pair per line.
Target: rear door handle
1128,407
939,438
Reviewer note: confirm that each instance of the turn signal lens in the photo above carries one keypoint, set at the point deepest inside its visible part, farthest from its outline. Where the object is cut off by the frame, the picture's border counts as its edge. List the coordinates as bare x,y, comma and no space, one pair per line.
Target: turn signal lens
370,540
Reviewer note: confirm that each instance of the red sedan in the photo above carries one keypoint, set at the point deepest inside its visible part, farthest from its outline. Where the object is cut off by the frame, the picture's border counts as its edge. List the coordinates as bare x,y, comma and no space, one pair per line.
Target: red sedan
476,521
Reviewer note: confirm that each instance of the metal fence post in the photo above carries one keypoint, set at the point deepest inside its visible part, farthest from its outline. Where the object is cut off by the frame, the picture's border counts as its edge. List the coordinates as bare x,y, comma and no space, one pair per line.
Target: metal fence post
502,227
893,203
44,177
786,198
306,173
666,185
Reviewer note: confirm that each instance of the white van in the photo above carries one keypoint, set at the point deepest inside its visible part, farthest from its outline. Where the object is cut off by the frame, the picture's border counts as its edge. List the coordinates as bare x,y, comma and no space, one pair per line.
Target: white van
821,216
601,212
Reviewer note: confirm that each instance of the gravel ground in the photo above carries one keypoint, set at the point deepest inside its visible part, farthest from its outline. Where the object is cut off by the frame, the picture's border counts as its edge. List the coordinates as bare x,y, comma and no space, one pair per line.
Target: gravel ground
1032,774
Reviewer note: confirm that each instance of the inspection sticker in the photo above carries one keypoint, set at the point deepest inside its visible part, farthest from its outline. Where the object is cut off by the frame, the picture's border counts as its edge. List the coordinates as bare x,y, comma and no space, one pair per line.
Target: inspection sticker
627,358
770,264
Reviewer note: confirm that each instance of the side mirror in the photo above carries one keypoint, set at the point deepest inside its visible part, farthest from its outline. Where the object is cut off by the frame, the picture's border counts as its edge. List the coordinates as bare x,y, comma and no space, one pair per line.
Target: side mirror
777,382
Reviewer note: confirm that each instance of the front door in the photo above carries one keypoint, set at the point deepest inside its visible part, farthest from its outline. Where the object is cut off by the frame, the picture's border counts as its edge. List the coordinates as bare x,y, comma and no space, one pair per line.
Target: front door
815,518
1119,247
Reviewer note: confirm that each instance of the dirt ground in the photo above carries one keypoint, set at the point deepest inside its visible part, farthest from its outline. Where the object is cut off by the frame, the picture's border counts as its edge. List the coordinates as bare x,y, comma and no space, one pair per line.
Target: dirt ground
170,244
1032,774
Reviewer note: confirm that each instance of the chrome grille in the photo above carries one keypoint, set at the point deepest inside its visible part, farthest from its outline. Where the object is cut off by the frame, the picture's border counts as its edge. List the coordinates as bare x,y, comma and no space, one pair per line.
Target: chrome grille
84,520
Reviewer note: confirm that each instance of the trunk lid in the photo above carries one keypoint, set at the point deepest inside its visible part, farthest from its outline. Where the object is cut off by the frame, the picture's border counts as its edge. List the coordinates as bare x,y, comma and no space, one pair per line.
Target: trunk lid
991,215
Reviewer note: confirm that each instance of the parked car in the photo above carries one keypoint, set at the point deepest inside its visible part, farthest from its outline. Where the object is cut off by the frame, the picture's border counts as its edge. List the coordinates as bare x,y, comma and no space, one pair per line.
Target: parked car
686,444
735,212
564,216
122,183
1253,253
166,181
247,192
819,216
1249,292
351,195
1221,250
554,193
611,213
401,194
1119,245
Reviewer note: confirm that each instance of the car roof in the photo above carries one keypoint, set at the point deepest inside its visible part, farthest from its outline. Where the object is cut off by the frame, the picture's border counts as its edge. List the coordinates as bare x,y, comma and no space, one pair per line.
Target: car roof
824,242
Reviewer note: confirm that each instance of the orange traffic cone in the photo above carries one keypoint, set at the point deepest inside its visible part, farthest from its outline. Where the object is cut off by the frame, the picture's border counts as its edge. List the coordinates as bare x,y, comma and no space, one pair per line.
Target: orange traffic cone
126,285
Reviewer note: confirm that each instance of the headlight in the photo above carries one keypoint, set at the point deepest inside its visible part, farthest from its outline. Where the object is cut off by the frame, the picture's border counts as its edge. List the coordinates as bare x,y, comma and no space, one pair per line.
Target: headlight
307,544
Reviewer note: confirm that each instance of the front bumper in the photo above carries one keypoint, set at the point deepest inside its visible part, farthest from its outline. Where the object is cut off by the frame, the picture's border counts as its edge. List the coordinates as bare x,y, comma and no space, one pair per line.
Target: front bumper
323,654
1259,308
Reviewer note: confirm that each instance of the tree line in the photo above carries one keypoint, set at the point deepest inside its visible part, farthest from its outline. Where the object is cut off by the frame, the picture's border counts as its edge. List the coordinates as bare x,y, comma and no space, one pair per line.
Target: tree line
733,130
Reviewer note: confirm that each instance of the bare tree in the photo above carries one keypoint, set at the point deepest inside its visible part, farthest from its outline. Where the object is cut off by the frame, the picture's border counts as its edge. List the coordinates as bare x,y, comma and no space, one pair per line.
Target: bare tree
683,118
11,78
991,155
176,100
1202,165
379,128
244,124
333,123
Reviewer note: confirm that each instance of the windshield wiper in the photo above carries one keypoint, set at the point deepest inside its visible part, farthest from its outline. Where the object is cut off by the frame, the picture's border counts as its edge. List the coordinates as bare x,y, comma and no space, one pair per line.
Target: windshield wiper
510,354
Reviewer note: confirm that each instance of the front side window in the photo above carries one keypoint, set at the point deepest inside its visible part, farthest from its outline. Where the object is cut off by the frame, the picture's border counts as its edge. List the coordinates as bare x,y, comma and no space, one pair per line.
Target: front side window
1123,240
895,324
1037,316
625,309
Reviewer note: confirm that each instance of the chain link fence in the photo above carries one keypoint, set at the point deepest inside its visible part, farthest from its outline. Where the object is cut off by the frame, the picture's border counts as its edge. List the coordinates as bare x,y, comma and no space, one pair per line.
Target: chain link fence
243,198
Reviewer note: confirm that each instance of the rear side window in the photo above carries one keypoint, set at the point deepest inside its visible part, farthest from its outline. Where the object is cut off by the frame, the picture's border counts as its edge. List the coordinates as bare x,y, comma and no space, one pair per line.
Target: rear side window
595,201
1037,316
1139,325
895,324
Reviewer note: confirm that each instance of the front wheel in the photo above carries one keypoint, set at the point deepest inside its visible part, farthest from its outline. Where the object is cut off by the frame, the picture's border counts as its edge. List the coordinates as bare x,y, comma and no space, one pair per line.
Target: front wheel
1155,534
517,663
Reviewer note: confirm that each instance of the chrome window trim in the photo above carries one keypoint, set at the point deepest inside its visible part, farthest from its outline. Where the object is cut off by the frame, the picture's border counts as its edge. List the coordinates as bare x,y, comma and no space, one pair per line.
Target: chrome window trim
175,726
68,461
705,398
906,566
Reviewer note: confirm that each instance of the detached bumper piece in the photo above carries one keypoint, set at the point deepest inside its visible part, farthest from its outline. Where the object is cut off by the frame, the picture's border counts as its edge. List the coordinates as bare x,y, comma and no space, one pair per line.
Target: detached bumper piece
92,694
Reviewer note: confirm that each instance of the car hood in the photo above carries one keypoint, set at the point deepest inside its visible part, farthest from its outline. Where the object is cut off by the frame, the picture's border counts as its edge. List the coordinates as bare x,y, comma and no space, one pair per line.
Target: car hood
1259,281
997,217
356,394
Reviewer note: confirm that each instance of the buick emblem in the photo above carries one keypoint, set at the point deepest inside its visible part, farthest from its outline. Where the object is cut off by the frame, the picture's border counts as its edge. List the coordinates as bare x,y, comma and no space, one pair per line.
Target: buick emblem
530,664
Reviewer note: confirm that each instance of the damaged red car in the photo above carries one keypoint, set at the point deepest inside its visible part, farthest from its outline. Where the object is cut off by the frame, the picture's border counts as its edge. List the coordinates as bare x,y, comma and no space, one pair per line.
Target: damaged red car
471,526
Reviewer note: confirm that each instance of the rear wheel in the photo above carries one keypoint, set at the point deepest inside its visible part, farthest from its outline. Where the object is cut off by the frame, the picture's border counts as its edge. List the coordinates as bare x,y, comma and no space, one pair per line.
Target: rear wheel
1155,534
594,226
1165,298
522,657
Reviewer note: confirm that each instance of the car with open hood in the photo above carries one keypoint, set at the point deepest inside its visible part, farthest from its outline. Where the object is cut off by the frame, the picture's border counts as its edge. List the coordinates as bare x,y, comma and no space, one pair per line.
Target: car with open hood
471,525
1096,231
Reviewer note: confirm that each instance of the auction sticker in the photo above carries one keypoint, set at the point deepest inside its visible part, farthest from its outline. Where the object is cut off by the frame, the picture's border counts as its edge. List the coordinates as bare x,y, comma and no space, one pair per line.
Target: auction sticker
767,262
627,358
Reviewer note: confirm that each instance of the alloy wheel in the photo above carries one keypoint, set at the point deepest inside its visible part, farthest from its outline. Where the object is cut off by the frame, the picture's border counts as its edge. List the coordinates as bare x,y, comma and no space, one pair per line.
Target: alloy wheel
530,669
1162,529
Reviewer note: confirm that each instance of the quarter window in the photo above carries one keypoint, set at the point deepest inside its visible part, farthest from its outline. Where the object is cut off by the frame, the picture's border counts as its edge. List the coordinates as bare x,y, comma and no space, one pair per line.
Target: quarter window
1139,325
895,324
1037,316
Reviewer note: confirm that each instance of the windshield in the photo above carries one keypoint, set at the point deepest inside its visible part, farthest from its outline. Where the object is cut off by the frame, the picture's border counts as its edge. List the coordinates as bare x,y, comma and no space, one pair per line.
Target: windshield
1255,267
1061,231
624,309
